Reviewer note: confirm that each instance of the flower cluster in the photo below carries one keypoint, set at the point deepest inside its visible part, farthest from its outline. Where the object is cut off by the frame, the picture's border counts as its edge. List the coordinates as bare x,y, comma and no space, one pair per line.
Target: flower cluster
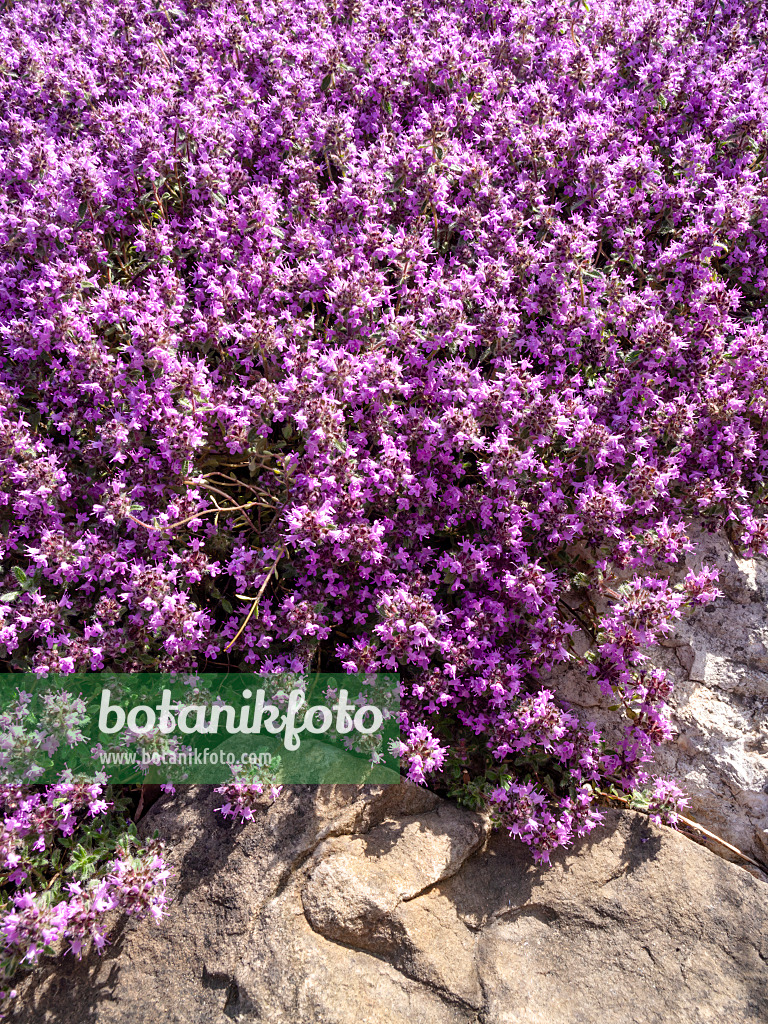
67,858
400,335
662,800
28,741
421,753
251,788
531,816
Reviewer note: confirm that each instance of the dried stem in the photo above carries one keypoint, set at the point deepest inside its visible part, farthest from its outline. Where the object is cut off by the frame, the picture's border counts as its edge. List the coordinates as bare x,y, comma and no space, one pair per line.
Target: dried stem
181,522
695,825
255,605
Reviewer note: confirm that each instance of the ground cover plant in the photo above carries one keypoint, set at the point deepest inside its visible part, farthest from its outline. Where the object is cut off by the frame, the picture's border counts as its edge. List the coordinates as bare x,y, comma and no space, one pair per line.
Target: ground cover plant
406,336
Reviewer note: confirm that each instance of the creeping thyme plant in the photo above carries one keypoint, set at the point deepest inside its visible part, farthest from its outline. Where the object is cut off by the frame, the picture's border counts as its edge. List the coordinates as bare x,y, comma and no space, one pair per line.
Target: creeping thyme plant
406,335
68,856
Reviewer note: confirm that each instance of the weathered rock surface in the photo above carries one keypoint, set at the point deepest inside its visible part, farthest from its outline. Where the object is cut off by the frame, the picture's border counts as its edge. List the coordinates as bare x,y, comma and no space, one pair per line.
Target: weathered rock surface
389,906
718,659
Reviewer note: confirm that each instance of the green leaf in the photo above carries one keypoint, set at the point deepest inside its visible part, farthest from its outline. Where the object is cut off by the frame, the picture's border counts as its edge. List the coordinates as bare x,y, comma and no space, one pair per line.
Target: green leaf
7,598
20,575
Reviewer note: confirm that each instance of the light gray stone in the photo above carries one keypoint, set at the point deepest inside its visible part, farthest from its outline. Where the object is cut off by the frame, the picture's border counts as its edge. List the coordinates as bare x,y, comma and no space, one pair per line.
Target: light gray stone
718,660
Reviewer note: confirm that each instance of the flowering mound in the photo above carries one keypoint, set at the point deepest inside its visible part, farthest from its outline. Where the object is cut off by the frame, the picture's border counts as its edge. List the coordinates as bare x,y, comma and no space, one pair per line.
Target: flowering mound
92,862
394,335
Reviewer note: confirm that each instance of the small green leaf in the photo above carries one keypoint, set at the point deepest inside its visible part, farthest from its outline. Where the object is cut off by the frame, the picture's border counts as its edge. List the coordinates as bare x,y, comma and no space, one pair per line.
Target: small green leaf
20,575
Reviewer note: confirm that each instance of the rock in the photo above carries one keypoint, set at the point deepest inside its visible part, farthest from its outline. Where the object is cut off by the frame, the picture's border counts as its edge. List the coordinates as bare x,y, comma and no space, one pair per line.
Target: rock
698,669
386,905
364,891
718,659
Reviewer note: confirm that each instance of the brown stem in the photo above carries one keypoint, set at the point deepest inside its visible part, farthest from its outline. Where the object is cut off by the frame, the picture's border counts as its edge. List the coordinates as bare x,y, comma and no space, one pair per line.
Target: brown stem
692,824
223,494
181,522
255,605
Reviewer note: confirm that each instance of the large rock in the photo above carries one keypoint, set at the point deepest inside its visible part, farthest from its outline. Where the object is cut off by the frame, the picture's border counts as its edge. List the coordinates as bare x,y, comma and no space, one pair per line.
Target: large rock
354,905
718,659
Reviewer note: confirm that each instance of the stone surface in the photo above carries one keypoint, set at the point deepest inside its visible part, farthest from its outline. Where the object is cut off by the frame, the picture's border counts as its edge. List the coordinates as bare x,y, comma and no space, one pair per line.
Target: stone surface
718,658
354,905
